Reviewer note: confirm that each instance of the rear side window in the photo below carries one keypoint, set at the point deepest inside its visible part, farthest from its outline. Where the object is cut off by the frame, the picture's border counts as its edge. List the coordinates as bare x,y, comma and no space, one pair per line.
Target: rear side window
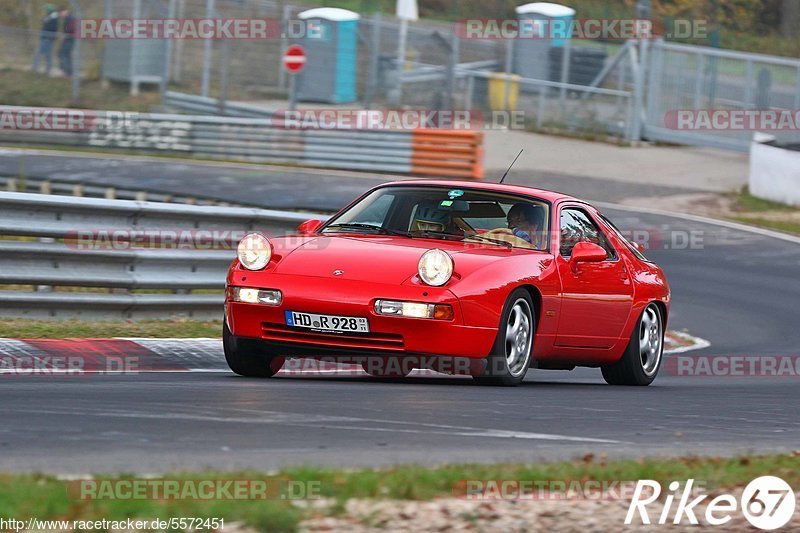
577,226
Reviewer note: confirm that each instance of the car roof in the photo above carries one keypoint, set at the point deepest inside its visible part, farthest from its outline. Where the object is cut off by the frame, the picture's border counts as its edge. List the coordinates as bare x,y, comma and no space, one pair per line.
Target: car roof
544,194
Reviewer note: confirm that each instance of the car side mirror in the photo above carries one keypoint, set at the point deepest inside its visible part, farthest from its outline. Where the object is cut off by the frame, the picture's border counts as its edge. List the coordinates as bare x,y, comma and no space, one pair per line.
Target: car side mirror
309,226
586,252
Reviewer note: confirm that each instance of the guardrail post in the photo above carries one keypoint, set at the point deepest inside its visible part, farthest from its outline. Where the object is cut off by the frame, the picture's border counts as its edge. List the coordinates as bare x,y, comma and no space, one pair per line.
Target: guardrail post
286,14
452,64
374,49
45,288
637,65
207,52
178,60
76,56
223,82
168,59
566,60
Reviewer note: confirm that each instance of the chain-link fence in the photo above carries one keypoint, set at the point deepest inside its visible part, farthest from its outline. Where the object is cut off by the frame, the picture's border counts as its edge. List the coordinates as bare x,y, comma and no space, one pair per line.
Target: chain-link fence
439,69
592,88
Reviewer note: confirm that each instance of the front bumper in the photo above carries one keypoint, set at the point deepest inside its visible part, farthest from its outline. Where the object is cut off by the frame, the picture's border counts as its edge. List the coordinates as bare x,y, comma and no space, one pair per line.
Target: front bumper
388,334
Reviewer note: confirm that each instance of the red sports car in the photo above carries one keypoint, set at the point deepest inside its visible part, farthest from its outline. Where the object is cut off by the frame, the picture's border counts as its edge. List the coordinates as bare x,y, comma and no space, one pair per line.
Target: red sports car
430,274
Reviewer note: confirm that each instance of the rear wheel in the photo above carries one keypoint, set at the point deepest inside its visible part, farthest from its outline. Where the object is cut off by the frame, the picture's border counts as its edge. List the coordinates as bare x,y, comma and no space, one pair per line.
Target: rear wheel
641,361
247,357
511,354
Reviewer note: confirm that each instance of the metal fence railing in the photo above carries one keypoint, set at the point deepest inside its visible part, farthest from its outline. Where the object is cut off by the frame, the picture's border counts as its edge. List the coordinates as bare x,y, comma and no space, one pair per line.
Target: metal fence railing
97,258
682,77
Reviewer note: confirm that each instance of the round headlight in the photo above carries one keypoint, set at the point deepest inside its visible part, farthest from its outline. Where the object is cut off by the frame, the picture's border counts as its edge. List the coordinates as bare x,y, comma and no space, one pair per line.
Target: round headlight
254,251
435,267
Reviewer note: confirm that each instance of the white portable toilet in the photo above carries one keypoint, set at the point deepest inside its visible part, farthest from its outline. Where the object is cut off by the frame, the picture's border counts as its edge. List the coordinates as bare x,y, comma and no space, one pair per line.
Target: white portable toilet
532,55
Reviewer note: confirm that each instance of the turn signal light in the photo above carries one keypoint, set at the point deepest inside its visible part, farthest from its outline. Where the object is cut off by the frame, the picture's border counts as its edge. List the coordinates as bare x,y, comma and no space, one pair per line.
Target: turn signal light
414,309
443,312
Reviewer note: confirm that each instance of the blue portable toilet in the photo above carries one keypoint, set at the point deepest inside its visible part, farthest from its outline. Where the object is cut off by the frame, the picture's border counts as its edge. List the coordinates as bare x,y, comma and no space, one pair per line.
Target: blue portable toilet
532,55
332,56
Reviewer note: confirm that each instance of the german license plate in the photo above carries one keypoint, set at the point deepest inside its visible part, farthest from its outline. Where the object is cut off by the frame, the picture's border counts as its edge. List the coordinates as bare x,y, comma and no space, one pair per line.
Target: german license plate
339,324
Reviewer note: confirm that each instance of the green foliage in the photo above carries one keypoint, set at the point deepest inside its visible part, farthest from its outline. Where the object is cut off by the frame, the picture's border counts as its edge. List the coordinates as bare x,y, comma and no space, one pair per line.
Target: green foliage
47,498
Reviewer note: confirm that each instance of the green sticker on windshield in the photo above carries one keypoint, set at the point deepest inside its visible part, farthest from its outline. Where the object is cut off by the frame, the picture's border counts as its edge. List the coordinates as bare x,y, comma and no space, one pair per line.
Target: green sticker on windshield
446,203
455,193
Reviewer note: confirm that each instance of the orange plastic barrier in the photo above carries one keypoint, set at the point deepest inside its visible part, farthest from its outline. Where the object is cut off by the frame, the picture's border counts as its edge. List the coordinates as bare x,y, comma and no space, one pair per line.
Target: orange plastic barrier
447,153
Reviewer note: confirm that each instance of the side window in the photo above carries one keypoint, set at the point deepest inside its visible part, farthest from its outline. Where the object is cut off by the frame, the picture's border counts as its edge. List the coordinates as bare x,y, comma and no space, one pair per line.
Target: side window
577,226
376,212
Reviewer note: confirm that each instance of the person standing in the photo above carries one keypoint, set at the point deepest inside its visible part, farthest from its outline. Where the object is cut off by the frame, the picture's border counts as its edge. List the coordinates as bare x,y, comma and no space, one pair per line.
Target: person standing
47,36
67,44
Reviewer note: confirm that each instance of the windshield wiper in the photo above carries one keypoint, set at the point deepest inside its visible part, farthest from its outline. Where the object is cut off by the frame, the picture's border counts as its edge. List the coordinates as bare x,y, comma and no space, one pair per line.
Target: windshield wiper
463,237
429,233
487,239
377,229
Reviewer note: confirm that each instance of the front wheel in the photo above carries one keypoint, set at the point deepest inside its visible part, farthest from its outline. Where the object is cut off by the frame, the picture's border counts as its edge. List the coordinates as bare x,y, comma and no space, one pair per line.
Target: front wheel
641,361
511,355
247,357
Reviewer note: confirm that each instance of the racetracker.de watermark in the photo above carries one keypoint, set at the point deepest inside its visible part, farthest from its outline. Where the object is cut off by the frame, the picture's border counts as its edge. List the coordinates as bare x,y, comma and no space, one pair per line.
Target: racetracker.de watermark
603,29
733,119
398,119
127,239
194,489
356,365
733,366
198,28
65,120
70,365
525,489
173,239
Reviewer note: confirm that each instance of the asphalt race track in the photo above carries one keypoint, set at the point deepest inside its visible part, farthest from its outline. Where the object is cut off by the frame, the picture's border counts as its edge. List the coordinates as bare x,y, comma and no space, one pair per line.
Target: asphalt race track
273,187
739,290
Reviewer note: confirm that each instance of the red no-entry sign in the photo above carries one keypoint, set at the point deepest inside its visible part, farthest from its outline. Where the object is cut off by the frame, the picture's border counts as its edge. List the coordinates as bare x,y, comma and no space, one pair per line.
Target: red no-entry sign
294,59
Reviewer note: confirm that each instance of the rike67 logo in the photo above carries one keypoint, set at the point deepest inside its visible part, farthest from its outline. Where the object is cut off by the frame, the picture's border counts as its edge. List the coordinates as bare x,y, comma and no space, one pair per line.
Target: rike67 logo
767,502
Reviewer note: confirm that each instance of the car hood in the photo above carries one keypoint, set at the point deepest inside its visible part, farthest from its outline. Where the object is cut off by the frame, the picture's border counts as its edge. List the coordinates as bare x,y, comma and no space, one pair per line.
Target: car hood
384,259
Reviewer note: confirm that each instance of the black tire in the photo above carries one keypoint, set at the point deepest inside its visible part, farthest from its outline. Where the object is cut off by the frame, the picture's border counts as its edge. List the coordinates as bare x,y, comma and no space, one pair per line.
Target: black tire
247,357
635,368
497,371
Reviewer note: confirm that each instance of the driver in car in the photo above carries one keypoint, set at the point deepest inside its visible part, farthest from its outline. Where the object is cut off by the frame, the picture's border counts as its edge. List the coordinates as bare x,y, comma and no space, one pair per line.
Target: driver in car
430,218
524,222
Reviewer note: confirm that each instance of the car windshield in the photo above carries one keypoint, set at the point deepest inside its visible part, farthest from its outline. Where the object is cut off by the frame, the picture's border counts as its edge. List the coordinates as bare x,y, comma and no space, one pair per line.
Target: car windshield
448,213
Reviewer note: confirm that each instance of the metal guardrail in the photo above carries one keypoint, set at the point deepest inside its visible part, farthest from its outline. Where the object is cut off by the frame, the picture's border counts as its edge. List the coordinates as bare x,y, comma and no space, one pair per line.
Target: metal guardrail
13,183
270,140
56,242
203,105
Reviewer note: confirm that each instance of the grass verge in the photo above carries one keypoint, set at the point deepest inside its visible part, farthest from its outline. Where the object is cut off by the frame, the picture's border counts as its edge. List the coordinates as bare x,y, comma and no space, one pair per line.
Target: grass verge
63,329
21,88
45,497
786,226
755,211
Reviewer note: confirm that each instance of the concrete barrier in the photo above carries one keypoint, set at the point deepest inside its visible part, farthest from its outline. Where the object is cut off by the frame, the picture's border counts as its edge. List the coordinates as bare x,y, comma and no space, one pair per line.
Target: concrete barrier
774,171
